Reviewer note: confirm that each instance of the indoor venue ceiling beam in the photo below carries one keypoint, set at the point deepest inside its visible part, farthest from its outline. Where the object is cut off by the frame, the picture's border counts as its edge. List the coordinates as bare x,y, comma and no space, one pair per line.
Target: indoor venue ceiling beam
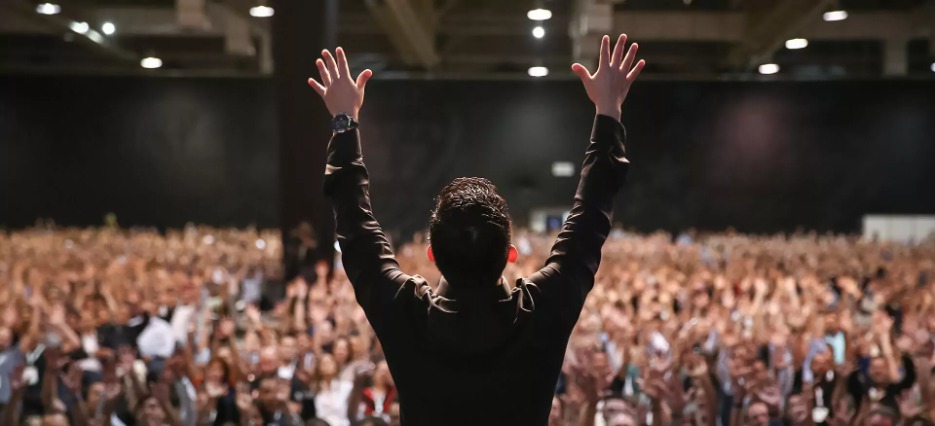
62,23
767,29
410,27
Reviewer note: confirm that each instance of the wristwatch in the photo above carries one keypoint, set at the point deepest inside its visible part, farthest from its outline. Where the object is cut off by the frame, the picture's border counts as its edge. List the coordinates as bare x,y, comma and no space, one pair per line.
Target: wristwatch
342,123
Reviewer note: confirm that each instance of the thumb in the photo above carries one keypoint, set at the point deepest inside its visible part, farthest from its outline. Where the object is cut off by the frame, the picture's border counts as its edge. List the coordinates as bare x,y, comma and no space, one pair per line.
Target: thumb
581,72
363,78
317,86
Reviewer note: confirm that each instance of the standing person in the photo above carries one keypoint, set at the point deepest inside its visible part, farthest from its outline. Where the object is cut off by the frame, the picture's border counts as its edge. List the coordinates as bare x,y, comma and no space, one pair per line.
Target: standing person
477,349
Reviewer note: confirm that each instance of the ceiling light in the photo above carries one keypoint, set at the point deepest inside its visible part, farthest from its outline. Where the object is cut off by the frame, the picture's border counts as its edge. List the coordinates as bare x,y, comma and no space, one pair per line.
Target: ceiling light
563,169
933,66
151,62
108,28
539,14
835,15
767,69
796,43
538,71
538,32
79,27
261,11
48,8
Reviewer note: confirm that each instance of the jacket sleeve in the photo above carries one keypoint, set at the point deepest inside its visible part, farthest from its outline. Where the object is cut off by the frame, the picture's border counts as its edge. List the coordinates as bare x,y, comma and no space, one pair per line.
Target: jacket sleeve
368,259
568,275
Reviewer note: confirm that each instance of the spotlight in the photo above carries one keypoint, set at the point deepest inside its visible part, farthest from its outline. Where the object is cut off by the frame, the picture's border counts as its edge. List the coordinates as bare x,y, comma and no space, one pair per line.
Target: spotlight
538,71
767,69
796,43
151,62
108,28
261,11
539,14
835,15
538,32
79,27
48,8
933,66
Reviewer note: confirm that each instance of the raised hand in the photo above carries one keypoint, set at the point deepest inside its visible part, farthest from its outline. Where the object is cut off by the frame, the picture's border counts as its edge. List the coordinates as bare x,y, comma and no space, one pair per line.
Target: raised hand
771,396
908,407
72,378
341,92
609,85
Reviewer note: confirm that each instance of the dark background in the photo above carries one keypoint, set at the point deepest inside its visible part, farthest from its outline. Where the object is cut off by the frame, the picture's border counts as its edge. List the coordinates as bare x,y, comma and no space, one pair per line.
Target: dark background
761,157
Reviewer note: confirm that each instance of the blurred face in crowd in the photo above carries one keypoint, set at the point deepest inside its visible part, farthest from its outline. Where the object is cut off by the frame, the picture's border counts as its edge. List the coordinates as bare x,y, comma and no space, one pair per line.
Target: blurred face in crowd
216,372
878,419
614,408
152,413
358,345
95,390
253,416
341,351
822,364
57,419
621,420
798,409
266,394
327,367
600,363
760,372
288,349
879,373
269,361
758,414
303,343
88,324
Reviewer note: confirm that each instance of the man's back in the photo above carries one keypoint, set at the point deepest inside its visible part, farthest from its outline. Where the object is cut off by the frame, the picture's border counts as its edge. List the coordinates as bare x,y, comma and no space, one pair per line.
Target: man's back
471,352
474,355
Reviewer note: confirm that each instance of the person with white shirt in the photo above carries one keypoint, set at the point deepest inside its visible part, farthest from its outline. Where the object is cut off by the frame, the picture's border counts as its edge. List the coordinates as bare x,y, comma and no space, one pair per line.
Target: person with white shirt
331,393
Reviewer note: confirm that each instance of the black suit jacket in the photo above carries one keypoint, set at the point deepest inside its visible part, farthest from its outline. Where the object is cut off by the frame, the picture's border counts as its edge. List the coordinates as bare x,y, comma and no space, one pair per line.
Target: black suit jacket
471,355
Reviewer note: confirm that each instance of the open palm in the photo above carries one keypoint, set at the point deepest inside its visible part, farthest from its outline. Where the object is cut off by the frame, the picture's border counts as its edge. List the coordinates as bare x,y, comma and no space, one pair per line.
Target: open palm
609,85
342,93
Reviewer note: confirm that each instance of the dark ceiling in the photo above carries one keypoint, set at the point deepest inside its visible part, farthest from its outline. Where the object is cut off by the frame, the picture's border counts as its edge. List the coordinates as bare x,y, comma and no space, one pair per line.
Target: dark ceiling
483,38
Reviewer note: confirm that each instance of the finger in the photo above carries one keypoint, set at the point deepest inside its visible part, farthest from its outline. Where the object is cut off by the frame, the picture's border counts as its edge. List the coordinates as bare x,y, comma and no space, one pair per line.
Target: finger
618,50
317,86
581,72
605,52
363,78
332,65
323,73
635,72
343,67
630,58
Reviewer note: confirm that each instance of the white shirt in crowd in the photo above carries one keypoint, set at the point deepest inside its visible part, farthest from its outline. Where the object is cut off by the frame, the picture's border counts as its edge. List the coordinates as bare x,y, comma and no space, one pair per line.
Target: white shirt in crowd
331,403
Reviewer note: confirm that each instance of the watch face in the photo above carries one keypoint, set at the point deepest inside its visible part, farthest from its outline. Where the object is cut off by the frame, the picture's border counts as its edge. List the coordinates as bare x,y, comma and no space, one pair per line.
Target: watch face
341,122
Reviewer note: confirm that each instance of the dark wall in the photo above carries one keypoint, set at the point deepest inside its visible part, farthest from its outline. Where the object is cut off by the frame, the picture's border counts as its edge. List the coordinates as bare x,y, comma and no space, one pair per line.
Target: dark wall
155,151
760,157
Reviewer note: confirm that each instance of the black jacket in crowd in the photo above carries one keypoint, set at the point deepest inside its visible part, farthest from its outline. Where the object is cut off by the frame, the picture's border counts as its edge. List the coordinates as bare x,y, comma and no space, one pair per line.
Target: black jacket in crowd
463,354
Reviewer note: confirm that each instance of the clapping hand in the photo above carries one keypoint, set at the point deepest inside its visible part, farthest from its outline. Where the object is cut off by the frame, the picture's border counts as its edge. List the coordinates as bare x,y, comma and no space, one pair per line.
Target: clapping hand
609,85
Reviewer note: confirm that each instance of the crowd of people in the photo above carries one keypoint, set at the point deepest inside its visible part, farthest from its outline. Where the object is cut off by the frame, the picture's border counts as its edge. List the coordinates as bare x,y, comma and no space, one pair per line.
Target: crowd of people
108,326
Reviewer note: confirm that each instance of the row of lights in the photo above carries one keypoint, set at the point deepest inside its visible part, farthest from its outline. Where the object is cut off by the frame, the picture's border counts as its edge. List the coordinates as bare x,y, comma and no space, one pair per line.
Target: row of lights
801,43
261,10
538,15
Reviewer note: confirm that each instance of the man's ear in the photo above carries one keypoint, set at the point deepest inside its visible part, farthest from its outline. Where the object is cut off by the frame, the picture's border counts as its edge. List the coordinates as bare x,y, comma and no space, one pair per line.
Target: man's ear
513,254
428,252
